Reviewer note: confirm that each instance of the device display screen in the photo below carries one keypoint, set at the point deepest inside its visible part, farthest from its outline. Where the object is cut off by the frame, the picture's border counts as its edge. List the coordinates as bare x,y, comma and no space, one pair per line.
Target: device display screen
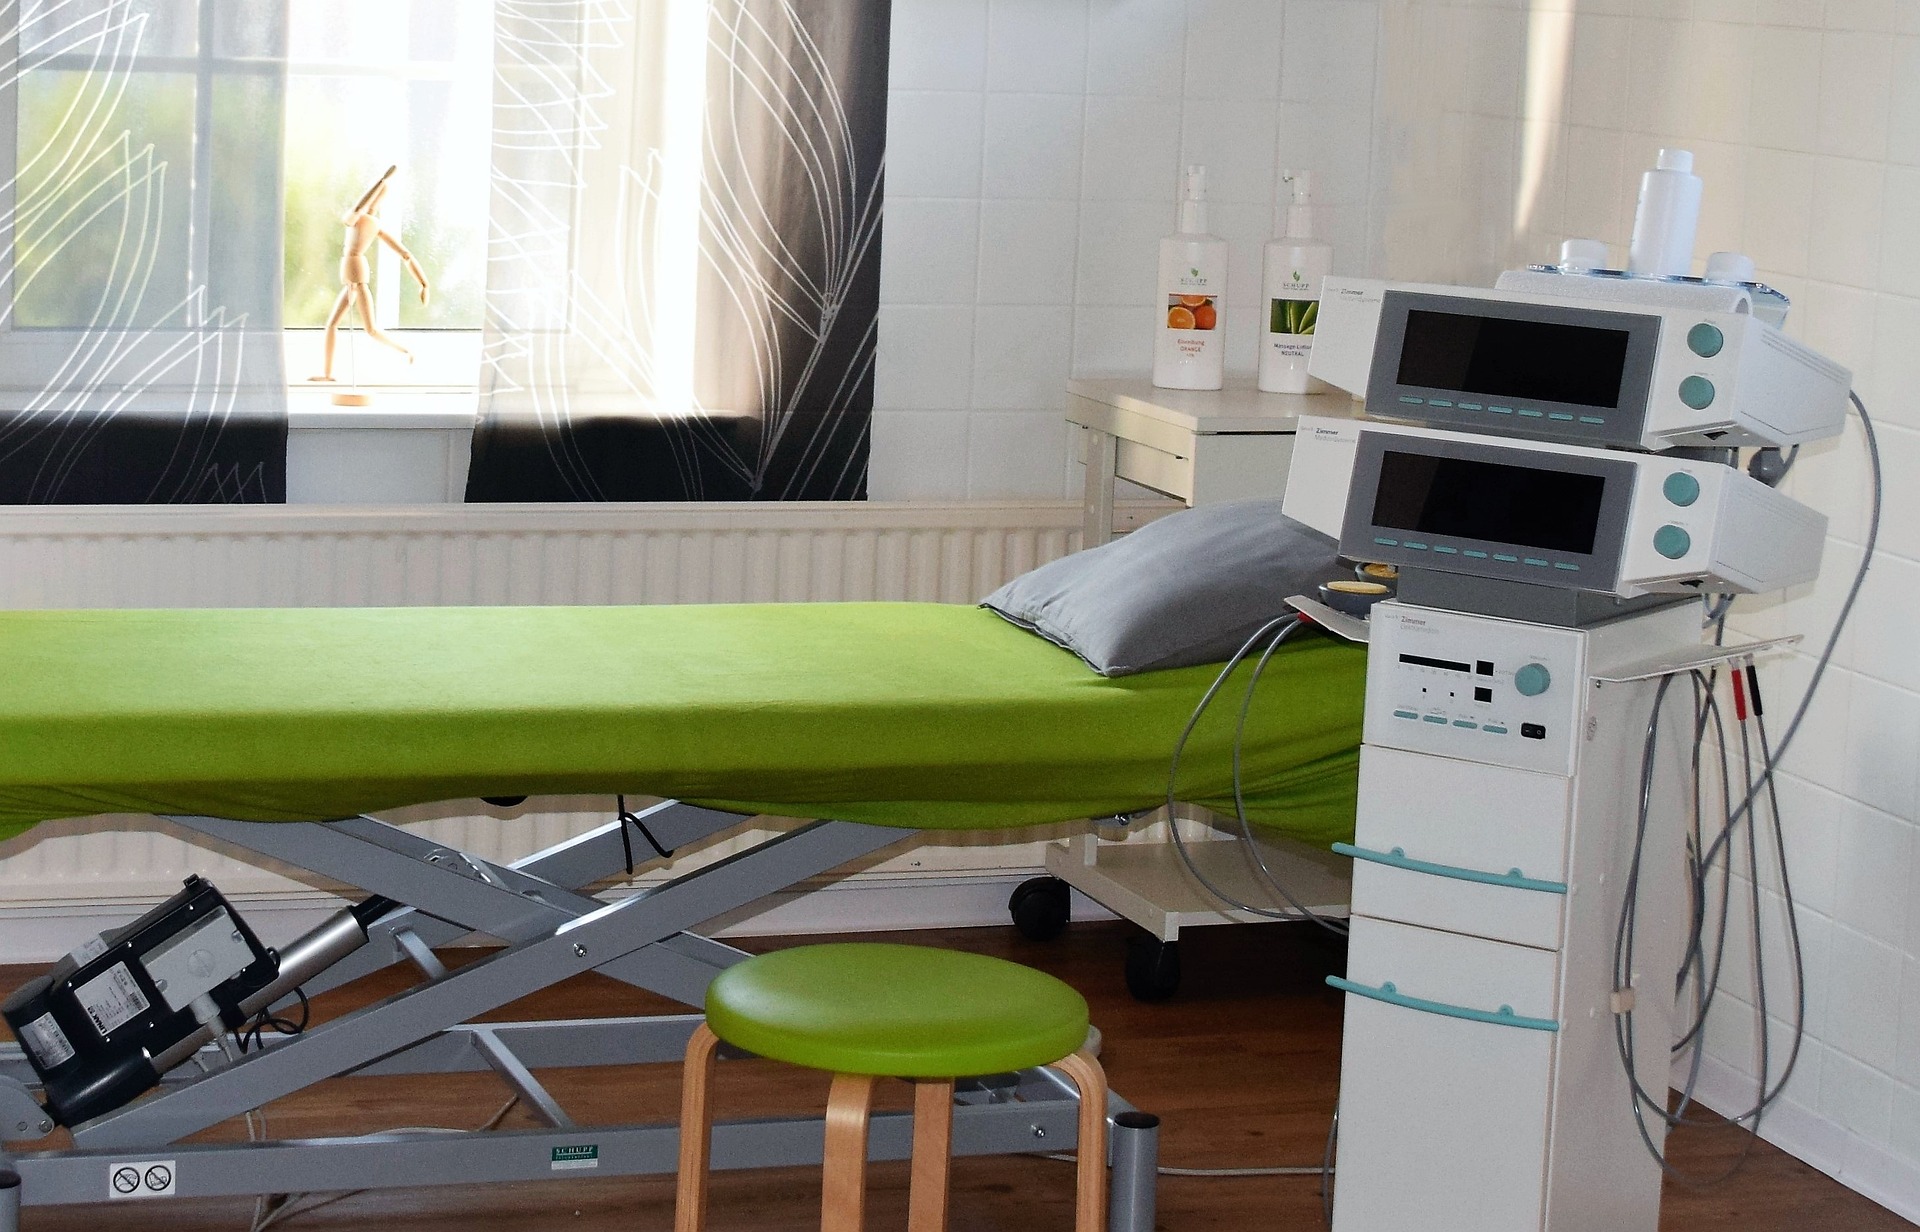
1526,361
1551,510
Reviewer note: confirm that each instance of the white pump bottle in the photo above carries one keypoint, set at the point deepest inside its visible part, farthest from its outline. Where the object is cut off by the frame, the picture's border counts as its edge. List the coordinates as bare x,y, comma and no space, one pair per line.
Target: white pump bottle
1295,265
1189,347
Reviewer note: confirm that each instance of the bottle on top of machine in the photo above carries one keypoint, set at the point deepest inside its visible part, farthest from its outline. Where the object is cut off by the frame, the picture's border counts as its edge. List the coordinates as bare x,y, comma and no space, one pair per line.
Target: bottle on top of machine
1296,262
1189,348
1666,219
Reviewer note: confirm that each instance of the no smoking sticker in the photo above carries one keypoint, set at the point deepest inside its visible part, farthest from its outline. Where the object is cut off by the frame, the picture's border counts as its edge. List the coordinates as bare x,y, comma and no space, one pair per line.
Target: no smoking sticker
148,1178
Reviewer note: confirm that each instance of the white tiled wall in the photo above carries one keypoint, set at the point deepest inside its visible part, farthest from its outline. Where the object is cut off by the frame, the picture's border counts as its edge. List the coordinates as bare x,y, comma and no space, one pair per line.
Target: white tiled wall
1804,116
1033,148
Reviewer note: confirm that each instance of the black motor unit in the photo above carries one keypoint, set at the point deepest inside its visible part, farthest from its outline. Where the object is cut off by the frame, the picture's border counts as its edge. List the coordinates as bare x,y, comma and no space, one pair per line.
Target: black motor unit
91,1026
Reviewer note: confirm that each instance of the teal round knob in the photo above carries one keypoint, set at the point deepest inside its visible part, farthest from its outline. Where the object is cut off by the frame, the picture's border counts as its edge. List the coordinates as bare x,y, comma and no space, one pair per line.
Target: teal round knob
1705,340
1697,392
1672,542
1681,488
1532,679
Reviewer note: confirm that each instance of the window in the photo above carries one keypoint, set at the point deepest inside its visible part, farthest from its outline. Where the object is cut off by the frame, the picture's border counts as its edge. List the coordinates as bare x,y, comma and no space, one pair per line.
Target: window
374,83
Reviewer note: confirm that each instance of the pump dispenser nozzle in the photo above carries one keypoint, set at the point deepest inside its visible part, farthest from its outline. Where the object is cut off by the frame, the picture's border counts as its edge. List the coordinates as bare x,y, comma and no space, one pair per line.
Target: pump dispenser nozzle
1298,221
1193,200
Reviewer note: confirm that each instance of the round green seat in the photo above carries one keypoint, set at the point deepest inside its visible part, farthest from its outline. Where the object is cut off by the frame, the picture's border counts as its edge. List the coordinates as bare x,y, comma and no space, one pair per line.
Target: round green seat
897,1011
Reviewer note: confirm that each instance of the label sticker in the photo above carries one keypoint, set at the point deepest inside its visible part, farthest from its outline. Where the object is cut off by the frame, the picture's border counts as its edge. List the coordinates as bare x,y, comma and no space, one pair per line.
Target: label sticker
89,950
47,1042
573,1158
141,1178
111,998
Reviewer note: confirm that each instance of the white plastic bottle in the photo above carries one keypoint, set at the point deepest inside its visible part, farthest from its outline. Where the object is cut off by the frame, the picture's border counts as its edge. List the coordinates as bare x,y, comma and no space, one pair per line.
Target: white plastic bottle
1295,264
1667,217
1189,347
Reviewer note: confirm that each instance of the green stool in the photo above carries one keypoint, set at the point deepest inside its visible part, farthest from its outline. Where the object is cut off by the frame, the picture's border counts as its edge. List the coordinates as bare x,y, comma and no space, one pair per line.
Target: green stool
863,1012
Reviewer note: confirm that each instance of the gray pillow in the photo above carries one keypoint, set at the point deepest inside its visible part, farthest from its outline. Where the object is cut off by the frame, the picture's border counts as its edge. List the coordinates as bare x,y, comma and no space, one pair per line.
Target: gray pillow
1189,588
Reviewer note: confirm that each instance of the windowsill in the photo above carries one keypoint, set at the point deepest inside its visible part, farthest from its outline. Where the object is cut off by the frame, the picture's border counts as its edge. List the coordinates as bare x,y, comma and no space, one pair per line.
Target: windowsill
310,408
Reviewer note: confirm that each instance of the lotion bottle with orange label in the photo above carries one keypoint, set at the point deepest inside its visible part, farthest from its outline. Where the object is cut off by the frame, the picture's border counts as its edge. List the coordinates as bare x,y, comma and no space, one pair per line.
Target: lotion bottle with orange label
1189,348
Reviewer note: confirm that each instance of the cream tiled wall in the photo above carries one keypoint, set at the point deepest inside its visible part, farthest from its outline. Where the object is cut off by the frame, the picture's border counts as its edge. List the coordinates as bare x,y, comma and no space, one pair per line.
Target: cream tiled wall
1506,126
1033,148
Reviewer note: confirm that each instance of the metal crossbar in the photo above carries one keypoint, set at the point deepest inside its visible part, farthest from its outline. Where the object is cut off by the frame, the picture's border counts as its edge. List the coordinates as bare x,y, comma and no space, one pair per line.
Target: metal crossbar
552,930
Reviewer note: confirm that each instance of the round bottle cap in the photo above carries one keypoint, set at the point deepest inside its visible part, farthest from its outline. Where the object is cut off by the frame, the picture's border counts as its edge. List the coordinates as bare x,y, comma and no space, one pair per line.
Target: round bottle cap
1730,267
1583,254
1675,160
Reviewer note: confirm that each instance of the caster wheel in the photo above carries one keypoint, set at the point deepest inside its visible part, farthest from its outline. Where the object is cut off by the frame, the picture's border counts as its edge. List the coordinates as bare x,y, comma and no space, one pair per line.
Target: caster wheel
1039,907
1153,968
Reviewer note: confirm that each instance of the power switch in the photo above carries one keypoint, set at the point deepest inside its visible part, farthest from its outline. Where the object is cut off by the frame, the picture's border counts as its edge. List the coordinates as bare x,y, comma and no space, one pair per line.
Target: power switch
1534,731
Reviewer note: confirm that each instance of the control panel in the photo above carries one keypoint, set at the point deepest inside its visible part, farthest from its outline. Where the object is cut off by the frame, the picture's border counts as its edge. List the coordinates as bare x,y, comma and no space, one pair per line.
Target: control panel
1468,687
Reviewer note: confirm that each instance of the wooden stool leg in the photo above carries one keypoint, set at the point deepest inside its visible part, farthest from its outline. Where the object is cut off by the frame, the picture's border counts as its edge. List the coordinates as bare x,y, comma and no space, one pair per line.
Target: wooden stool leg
1090,1200
932,1156
696,1126
843,1178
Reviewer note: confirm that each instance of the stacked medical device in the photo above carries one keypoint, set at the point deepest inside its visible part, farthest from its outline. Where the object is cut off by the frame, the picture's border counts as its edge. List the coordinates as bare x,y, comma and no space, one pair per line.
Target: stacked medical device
1553,466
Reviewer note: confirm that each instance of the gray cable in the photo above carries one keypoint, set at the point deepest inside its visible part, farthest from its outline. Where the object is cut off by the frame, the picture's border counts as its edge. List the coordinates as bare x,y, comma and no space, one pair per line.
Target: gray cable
1846,609
1285,623
1755,787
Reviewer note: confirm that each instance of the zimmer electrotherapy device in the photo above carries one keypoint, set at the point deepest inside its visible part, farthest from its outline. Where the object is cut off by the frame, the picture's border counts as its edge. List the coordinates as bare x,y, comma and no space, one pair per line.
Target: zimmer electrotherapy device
1554,474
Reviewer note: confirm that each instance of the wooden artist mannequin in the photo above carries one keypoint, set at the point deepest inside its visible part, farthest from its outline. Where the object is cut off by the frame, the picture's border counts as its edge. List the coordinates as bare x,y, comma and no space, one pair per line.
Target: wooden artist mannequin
356,271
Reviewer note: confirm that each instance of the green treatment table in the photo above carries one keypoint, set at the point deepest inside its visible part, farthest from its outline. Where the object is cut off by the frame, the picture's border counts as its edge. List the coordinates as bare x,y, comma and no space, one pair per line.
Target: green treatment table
877,719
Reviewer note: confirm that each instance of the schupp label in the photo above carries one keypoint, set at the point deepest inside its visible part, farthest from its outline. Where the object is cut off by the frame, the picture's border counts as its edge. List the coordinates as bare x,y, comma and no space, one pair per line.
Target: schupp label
572,1158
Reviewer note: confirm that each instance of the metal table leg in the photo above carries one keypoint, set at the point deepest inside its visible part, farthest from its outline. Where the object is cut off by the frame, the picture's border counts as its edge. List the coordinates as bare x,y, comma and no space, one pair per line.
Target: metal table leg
1136,1163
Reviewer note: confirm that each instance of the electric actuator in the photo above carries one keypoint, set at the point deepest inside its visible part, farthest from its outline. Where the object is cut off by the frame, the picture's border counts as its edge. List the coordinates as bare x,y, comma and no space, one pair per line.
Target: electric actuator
108,1020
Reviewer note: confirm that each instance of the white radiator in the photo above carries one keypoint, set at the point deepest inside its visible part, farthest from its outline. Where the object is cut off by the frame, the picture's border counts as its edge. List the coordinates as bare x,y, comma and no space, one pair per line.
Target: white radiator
66,878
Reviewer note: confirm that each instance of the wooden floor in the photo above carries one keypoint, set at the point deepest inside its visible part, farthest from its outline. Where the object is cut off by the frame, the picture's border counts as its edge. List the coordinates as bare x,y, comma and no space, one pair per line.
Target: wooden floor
1242,1068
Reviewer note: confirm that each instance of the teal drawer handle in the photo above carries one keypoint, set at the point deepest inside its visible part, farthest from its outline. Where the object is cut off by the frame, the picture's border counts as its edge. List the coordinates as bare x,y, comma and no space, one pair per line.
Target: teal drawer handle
1398,858
1502,1017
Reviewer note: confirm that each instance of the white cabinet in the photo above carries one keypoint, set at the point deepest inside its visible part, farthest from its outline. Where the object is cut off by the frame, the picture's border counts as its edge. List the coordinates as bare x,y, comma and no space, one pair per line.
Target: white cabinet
1472,1092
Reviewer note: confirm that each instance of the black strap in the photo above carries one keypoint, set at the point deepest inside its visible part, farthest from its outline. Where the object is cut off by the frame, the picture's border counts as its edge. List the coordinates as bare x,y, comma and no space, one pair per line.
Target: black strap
626,843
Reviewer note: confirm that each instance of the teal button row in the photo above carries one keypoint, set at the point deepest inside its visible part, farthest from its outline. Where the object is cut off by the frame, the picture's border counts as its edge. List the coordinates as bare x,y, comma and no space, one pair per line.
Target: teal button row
1525,411
1498,731
1406,714
1443,549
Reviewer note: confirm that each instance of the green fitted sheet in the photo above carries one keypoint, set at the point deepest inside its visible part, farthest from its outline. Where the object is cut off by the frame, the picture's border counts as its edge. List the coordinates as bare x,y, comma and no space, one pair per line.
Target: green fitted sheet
908,714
